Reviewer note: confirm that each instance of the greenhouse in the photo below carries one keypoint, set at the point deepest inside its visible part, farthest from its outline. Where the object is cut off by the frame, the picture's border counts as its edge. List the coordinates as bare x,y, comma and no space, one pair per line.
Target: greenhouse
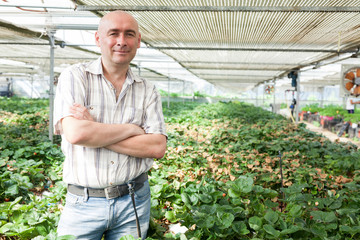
258,135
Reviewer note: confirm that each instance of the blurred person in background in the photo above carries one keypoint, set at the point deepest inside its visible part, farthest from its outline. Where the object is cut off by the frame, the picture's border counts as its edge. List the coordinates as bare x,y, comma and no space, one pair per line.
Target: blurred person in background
351,102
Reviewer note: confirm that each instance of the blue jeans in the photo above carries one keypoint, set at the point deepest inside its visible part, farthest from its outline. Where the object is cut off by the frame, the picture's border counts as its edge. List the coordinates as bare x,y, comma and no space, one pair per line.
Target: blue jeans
114,218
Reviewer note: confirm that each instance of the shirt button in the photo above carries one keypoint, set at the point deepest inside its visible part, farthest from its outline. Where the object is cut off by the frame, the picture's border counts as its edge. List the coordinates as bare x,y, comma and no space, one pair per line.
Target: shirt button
112,162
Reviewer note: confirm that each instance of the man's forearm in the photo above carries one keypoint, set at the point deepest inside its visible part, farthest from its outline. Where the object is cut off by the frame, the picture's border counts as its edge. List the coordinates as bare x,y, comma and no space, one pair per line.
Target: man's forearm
93,134
142,146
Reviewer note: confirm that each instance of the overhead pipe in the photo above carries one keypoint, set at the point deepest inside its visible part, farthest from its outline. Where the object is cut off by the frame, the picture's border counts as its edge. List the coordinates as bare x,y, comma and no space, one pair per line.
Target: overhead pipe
354,9
138,8
36,6
253,49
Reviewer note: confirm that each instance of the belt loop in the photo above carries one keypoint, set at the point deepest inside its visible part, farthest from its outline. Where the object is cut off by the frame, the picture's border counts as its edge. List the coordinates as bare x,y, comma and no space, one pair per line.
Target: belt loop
86,194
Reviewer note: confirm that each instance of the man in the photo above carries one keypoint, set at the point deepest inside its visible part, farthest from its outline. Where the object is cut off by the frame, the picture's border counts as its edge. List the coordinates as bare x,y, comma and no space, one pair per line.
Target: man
351,102
112,127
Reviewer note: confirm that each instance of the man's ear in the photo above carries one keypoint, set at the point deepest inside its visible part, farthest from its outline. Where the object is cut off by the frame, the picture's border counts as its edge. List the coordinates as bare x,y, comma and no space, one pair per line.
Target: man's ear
97,39
139,40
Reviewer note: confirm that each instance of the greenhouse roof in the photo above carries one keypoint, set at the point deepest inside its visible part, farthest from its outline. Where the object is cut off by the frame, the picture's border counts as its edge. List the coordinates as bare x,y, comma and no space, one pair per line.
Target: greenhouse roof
235,45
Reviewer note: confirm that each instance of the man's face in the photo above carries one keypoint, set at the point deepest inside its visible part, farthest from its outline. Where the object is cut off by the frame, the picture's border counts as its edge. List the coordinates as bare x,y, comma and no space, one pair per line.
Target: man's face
118,38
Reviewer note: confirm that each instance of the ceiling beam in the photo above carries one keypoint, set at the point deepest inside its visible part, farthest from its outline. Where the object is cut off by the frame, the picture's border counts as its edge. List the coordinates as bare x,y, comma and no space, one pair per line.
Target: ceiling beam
241,63
70,14
87,27
219,8
35,6
250,68
63,44
221,80
48,57
224,75
196,8
254,49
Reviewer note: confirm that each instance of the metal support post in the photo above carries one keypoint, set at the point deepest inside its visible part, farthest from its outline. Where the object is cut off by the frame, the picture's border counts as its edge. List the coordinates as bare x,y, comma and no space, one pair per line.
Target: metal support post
297,97
183,95
168,103
274,100
51,34
263,96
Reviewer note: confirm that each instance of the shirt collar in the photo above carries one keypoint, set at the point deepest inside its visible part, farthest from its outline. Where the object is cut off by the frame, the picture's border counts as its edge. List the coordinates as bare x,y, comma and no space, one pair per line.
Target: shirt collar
95,67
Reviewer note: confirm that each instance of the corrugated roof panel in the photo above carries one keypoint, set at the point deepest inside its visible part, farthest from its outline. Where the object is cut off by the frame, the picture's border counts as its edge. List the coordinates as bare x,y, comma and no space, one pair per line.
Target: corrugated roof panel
278,35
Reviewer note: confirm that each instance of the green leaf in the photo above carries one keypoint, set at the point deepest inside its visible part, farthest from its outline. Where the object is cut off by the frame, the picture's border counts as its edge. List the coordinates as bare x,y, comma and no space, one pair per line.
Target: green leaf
205,198
346,229
325,217
7,227
13,190
156,190
319,230
71,237
243,184
17,217
232,193
240,228
331,226
271,204
41,229
255,223
170,215
226,220
176,184
295,211
185,198
194,199
336,204
271,230
183,237
282,224
26,232
16,201
271,217
291,230
344,211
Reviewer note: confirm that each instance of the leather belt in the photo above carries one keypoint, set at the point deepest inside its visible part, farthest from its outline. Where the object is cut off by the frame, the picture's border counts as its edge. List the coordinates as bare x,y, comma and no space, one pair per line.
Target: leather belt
110,192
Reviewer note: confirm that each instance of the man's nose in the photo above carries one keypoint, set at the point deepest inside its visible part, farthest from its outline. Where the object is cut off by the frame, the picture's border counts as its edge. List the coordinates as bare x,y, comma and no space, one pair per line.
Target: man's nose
121,40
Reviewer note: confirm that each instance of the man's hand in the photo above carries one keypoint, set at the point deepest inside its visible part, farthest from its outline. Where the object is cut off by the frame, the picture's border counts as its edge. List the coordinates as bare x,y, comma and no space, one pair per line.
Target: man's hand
80,112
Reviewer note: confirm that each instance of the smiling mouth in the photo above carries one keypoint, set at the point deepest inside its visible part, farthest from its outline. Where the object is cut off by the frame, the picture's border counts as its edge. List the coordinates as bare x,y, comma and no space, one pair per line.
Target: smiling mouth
121,52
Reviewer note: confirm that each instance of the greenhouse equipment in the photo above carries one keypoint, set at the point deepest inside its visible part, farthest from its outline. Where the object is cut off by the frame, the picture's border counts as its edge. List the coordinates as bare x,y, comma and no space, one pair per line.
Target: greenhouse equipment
269,89
351,80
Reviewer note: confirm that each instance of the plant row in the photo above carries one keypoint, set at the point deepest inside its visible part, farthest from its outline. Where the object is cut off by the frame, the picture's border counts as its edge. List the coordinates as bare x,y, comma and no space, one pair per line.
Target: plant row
231,171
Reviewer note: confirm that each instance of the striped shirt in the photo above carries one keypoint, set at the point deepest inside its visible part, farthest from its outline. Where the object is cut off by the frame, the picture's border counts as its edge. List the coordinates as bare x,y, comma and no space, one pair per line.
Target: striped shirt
138,103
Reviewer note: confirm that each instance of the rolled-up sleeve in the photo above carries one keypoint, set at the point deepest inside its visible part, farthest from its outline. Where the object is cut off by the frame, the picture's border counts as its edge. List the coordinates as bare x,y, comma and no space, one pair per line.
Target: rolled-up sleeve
70,90
154,118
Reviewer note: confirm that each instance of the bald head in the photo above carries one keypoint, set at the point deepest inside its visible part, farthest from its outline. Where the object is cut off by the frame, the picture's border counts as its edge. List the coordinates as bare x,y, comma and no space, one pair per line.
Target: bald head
118,15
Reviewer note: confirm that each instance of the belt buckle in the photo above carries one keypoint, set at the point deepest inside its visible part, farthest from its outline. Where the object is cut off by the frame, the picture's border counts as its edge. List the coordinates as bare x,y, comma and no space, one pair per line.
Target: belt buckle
111,192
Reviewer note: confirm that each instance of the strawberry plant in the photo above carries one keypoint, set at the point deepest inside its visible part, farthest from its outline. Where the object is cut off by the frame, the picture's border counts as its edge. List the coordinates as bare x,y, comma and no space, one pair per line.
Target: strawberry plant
221,176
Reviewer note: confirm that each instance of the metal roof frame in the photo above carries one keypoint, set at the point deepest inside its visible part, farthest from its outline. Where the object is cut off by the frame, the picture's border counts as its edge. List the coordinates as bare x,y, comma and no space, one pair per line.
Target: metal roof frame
225,35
